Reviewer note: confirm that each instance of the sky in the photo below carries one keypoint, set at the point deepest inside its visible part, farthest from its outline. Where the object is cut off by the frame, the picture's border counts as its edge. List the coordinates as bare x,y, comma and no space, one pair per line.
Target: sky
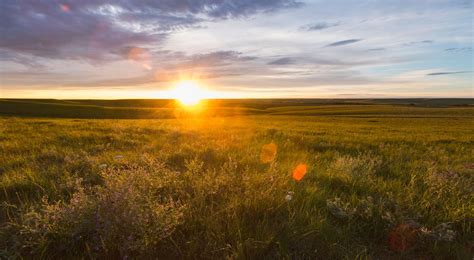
236,48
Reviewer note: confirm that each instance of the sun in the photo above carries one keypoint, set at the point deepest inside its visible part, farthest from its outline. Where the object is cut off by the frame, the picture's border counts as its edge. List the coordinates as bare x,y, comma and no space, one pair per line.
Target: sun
188,93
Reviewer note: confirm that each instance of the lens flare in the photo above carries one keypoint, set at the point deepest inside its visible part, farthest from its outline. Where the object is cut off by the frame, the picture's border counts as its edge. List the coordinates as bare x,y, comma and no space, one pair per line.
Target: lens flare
65,8
268,153
299,172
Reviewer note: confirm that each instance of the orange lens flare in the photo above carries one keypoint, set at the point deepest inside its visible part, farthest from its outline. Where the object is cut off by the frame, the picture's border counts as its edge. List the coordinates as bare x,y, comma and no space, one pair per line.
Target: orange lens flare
300,171
269,152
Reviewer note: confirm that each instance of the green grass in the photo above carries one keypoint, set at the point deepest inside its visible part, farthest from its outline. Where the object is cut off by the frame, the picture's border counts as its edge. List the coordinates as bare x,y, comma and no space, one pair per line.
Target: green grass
195,186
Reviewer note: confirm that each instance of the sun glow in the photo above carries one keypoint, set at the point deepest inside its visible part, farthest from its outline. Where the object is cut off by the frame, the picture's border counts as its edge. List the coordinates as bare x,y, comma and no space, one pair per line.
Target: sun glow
188,93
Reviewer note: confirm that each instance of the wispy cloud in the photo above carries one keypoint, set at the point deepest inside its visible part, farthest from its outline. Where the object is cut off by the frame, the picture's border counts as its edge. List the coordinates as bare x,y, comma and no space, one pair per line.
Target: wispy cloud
418,42
213,59
95,30
282,61
447,73
341,43
318,26
459,49
377,49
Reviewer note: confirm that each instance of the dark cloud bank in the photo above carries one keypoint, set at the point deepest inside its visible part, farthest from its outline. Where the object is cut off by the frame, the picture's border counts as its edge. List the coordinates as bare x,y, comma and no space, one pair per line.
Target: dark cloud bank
98,30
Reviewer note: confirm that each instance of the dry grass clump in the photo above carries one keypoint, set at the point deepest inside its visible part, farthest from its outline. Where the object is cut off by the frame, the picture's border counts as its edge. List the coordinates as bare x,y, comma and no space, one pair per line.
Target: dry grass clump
130,213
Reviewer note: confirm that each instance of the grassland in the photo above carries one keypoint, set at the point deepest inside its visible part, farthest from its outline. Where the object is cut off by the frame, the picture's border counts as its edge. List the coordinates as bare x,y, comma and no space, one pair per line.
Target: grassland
145,179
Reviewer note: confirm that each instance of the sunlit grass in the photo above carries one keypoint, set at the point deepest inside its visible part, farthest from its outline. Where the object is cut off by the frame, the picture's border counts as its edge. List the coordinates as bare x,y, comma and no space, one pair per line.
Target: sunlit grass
237,187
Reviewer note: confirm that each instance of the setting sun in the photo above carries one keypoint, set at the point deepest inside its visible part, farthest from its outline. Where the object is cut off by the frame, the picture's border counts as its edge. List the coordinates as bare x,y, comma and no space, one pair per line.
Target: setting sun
188,93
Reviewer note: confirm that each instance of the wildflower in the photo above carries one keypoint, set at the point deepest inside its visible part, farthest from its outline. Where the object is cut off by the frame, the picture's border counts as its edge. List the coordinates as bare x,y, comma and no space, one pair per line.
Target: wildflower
299,172
338,208
469,166
268,153
445,176
365,207
118,157
442,232
440,181
424,231
289,196
388,216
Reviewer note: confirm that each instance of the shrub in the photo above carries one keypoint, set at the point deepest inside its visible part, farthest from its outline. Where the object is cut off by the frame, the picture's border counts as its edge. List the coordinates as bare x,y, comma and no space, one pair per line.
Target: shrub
128,215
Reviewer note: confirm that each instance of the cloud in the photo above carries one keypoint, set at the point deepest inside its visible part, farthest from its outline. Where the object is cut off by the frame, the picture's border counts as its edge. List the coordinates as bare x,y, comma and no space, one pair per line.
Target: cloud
318,26
64,43
131,81
19,58
219,58
460,49
94,30
377,49
43,29
282,61
418,42
34,78
205,60
447,73
331,63
341,43
236,8
168,66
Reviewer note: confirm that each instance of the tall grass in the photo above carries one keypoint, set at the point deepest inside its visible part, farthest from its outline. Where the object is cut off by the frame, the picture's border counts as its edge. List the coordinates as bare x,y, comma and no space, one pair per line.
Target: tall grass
214,187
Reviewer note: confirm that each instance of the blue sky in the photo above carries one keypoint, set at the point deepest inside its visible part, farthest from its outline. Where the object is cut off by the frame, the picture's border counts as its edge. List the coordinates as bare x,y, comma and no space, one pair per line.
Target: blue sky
259,48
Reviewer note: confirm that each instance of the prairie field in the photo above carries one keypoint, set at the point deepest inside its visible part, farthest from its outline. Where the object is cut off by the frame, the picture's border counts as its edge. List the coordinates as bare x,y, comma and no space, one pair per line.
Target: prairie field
246,179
